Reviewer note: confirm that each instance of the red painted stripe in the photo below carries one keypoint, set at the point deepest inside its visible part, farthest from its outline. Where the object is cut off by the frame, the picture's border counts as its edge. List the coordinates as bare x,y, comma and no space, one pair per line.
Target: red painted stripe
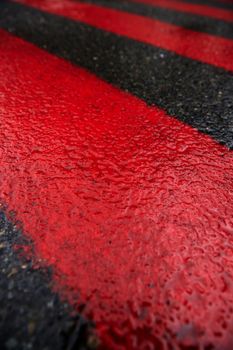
203,10
132,208
199,46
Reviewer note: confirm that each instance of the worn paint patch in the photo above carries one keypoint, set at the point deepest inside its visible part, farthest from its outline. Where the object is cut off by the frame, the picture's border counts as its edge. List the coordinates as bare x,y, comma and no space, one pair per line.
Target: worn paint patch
32,316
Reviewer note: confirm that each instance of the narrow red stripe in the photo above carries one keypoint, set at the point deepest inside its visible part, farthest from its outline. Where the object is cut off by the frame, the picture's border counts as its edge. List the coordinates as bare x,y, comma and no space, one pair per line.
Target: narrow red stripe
132,208
203,10
199,46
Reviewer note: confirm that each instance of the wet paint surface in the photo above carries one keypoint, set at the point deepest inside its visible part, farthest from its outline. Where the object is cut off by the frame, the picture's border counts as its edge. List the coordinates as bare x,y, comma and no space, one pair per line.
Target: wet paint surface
200,46
132,208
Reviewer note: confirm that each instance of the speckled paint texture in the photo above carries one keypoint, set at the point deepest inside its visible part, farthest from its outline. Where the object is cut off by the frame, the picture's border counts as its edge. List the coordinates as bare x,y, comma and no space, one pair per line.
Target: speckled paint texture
128,205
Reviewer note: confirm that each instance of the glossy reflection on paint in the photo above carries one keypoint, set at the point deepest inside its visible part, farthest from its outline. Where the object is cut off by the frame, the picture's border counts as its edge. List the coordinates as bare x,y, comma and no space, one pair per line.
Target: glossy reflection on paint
132,208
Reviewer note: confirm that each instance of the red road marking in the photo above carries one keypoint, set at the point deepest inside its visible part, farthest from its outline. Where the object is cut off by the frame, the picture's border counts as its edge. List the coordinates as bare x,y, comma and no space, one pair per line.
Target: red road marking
199,46
203,10
132,208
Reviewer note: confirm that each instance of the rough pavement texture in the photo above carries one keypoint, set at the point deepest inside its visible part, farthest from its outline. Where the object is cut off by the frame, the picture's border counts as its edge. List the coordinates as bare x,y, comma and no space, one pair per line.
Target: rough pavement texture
31,315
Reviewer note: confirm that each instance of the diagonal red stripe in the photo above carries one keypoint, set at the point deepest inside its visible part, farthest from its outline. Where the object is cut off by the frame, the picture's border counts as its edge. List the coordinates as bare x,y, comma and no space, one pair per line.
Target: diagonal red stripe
132,208
199,46
203,10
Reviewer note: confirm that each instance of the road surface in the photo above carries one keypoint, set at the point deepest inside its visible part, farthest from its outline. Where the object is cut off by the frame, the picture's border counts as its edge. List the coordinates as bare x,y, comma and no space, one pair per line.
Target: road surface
116,174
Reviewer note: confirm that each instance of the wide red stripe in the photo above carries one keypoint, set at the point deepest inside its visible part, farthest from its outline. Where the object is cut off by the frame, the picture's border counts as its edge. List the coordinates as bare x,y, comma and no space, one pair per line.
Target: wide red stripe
203,10
132,208
199,46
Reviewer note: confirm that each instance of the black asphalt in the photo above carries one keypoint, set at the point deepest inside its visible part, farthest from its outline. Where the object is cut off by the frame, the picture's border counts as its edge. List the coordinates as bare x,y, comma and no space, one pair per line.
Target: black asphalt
32,317
226,5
